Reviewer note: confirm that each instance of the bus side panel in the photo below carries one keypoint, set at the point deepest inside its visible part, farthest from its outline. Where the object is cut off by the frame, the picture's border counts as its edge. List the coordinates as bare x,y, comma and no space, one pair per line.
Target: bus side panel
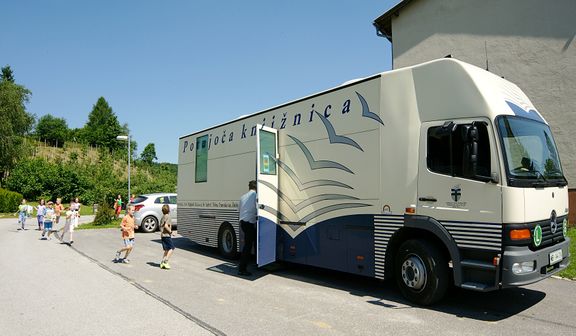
343,244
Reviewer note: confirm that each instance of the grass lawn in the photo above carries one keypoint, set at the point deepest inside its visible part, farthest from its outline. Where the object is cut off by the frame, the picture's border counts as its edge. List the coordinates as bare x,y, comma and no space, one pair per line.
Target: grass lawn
570,272
115,224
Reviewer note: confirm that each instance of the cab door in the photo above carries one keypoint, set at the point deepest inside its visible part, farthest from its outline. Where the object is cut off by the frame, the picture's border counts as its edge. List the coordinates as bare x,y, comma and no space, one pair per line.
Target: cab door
466,201
267,184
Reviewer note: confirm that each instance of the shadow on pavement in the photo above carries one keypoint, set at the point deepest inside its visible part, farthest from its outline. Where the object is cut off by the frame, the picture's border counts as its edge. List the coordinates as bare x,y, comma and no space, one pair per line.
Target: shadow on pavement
231,269
185,244
490,306
228,267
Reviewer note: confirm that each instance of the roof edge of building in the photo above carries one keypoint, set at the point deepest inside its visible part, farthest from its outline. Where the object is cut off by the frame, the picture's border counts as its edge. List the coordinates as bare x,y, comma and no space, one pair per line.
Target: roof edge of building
383,23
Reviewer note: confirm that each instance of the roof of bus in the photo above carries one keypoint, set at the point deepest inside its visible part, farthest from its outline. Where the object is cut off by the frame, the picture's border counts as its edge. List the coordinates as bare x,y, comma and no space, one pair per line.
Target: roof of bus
500,94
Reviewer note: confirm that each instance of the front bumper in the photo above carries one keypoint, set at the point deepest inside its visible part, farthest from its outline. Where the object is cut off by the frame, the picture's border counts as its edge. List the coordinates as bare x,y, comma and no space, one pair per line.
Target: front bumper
542,269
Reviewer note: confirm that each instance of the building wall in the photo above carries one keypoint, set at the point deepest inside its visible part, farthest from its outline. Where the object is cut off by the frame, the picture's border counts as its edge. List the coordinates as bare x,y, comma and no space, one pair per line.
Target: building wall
529,42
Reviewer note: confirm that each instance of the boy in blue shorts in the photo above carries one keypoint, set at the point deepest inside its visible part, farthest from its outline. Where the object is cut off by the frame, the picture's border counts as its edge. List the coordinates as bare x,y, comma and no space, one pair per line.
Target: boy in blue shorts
49,216
127,227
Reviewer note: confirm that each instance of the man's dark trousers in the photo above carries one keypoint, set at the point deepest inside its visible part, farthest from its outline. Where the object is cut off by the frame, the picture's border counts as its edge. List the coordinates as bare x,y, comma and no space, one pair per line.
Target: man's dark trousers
249,230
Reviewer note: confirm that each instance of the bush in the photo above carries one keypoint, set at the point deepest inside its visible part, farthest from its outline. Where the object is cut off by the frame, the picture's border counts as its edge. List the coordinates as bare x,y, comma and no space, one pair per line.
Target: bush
105,214
9,201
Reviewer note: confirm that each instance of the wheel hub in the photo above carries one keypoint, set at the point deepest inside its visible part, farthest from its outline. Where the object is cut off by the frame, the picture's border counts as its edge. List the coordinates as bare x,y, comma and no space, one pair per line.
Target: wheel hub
414,273
227,241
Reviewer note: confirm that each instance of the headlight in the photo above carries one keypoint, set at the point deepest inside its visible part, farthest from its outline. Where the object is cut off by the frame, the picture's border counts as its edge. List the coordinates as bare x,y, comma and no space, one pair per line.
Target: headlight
523,267
565,227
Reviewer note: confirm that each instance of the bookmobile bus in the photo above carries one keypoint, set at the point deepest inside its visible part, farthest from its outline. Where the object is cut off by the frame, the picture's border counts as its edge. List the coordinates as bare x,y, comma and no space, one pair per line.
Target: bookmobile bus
438,174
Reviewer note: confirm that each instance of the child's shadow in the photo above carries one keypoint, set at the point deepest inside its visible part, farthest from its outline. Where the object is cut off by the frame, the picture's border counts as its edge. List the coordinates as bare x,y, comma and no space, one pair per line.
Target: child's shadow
153,264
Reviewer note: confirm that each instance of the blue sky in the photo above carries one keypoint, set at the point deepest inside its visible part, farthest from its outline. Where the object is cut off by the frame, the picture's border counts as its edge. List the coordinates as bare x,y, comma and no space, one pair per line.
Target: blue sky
170,68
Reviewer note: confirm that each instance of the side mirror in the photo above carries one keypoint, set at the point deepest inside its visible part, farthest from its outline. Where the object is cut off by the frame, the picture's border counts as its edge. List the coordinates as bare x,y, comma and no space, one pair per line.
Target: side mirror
470,139
469,136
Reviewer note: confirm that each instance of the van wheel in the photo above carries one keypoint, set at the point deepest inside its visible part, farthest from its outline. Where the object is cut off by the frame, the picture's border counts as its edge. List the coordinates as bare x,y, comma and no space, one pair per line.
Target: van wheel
227,244
421,272
149,224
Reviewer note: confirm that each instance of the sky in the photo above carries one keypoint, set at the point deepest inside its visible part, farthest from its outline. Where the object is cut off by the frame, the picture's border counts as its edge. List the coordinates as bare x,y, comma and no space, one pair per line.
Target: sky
171,68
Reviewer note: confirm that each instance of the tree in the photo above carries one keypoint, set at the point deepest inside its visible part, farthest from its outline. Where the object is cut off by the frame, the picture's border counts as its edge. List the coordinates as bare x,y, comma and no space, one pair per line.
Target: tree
74,135
53,130
103,126
149,154
15,122
7,74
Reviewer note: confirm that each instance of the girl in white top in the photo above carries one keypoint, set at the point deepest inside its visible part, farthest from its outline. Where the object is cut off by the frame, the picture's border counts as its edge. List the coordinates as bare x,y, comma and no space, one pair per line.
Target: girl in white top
75,208
68,227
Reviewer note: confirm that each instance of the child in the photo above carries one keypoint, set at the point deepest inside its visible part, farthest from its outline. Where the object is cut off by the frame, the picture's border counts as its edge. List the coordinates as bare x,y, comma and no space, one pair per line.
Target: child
40,213
58,208
118,206
49,217
68,227
127,226
22,214
75,207
166,236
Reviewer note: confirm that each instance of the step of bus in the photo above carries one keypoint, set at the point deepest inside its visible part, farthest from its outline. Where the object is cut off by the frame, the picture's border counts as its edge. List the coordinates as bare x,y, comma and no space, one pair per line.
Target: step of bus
475,286
477,264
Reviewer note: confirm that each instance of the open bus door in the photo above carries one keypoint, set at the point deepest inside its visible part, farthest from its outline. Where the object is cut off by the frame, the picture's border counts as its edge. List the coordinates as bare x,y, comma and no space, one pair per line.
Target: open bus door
267,179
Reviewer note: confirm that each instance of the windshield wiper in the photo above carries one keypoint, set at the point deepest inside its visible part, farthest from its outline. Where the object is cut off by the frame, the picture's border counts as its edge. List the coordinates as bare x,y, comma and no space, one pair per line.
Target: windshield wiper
540,176
546,182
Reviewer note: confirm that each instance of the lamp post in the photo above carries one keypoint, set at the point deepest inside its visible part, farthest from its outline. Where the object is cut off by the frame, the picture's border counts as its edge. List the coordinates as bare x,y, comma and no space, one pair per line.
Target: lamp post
127,139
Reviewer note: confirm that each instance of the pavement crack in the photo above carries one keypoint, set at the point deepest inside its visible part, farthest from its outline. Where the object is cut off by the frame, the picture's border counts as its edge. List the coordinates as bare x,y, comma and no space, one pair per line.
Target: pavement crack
155,296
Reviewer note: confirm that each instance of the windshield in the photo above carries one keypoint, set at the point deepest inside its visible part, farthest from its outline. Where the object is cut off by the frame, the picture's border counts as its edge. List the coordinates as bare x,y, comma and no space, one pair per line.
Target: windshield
530,153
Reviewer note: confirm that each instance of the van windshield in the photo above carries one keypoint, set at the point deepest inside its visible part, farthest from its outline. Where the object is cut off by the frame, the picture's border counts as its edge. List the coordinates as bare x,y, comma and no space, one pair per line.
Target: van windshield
530,153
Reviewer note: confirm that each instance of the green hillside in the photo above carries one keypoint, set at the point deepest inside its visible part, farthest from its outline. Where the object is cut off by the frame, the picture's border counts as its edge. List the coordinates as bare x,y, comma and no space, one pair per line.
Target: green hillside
95,175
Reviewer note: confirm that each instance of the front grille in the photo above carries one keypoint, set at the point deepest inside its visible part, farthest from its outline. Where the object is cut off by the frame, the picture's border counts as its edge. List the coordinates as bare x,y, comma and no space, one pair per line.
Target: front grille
549,238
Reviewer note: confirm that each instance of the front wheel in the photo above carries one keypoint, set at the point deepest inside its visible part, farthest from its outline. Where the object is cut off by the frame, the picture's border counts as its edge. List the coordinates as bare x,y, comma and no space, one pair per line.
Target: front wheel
227,244
421,272
149,224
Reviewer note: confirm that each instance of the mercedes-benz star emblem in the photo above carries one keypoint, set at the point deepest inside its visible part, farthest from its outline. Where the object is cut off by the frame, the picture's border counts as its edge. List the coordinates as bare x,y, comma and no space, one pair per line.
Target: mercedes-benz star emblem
553,224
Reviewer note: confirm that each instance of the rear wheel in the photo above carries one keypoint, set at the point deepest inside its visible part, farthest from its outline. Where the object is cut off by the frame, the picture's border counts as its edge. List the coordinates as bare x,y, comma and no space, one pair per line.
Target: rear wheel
227,244
421,271
149,224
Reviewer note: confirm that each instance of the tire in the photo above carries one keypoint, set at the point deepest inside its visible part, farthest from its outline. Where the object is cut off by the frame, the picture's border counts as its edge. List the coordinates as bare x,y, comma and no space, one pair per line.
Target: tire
149,224
421,272
227,244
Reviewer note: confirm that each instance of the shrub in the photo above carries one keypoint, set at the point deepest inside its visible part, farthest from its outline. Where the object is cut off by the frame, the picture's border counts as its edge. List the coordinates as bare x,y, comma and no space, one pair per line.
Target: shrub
105,214
9,200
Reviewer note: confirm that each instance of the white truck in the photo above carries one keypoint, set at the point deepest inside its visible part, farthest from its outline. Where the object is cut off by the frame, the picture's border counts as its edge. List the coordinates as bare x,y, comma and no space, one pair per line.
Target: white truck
437,174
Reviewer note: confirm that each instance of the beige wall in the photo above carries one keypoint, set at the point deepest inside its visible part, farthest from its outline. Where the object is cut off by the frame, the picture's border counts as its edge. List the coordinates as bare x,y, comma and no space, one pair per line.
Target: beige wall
529,42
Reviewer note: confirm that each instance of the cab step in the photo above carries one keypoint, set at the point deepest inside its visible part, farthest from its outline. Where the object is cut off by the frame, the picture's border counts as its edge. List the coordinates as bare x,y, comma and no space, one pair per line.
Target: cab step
477,264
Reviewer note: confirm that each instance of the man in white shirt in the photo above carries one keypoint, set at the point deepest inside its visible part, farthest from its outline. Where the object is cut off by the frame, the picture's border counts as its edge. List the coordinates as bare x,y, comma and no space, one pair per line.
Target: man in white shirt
248,218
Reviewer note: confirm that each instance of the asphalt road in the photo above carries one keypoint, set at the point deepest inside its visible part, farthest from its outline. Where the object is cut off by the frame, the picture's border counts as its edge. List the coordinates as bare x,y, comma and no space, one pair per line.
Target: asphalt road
51,289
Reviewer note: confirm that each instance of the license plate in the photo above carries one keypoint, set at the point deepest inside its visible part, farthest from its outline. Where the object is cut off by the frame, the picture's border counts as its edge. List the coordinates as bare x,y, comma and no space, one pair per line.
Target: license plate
555,257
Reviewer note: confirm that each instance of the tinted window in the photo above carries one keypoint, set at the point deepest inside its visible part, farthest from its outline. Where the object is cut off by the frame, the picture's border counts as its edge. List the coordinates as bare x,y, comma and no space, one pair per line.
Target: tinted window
173,200
450,148
139,199
267,153
162,200
201,159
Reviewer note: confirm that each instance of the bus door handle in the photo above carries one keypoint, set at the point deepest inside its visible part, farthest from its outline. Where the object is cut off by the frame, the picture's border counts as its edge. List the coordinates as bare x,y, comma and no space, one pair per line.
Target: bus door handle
427,199
261,206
